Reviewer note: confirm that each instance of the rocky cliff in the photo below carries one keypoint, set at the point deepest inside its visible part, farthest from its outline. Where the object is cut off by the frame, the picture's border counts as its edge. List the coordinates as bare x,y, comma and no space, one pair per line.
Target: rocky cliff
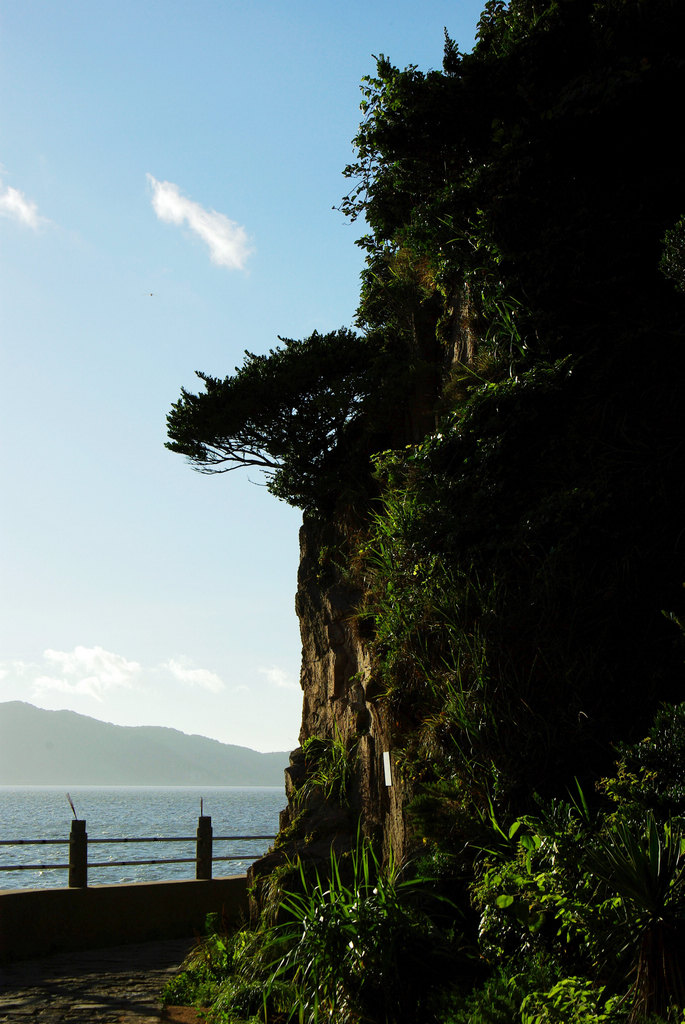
341,709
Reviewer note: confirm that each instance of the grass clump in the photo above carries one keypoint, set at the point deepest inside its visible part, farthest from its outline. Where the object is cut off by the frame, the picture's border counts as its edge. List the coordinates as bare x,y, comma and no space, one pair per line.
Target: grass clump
329,765
356,942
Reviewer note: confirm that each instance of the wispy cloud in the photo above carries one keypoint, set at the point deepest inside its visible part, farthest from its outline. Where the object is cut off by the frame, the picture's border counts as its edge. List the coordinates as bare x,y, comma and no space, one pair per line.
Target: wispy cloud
202,677
279,677
87,671
98,674
18,669
16,206
228,242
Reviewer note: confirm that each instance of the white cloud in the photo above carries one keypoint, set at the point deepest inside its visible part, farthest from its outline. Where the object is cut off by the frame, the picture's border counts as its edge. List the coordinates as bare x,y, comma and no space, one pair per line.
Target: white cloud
202,677
15,205
228,242
279,677
17,669
86,671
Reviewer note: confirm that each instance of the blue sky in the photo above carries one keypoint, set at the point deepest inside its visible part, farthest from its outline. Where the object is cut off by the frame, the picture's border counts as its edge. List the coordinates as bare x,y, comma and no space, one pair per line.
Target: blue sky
168,177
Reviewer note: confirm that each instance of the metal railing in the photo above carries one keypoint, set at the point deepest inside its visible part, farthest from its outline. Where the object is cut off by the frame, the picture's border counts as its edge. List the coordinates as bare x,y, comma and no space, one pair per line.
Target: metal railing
79,844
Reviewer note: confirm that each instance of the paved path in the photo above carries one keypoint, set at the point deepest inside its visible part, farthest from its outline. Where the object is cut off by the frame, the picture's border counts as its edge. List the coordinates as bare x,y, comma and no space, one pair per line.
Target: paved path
121,985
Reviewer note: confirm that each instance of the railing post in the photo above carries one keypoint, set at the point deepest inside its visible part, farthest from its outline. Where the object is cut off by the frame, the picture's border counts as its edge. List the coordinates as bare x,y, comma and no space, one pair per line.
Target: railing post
203,861
78,855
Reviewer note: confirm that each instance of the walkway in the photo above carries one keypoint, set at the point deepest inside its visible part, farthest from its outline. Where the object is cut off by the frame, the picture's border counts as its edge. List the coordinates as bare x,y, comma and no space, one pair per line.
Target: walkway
121,985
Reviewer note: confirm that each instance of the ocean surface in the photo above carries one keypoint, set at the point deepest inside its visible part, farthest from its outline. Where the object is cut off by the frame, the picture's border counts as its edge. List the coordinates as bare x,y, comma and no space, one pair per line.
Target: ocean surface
43,812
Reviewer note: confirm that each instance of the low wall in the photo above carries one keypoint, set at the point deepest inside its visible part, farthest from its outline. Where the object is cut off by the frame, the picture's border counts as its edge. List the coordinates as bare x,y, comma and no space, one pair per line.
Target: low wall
38,921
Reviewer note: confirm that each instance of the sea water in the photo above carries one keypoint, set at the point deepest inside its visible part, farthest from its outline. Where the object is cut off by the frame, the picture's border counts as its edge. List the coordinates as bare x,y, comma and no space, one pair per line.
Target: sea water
44,812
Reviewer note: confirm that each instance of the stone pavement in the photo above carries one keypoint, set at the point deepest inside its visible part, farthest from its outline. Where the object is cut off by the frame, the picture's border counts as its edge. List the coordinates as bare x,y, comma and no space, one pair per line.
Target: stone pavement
120,985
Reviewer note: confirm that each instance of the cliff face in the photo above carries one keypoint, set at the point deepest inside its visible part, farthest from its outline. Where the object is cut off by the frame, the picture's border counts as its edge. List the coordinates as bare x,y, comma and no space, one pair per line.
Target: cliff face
340,693
339,704
339,698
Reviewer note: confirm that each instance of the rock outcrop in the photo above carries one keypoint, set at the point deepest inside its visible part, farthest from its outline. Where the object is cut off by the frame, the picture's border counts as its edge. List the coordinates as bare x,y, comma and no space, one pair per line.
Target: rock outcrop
341,705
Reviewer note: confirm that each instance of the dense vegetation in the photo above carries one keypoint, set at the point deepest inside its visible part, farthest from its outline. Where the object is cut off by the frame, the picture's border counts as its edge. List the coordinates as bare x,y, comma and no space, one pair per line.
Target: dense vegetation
501,447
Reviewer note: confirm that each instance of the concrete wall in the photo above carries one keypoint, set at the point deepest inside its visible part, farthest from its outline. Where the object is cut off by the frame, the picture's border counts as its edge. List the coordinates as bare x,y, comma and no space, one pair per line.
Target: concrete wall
38,921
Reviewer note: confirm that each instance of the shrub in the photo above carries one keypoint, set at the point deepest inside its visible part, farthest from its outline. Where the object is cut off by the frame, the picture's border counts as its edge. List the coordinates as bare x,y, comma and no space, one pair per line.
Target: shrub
570,1001
673,258
330,768
362,949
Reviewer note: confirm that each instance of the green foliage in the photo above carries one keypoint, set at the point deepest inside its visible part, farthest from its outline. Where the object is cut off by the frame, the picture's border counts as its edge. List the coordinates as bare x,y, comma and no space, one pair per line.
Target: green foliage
643,873
500,998
355,943
507,598
606,894
291,413
571,1001
530,883
651,772
188,989
360,945
672,262
551,139
329,764
204,971
226,975
438,594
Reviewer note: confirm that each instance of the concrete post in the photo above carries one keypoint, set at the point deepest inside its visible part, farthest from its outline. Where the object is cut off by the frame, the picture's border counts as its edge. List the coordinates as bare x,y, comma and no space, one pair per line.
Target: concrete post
203,862
78,855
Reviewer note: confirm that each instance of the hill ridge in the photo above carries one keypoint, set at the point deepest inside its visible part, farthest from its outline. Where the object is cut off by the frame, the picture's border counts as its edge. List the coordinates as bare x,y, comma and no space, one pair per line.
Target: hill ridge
40,747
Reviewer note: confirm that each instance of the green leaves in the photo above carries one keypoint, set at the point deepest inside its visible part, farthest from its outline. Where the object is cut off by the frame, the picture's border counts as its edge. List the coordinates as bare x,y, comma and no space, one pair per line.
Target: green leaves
573,1000
290,413
672,262
644,865
329,764
610,889
641,870
359,947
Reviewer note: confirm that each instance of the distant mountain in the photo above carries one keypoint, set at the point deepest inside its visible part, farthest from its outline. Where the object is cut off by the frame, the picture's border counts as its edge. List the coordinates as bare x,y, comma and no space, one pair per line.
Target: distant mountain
40,748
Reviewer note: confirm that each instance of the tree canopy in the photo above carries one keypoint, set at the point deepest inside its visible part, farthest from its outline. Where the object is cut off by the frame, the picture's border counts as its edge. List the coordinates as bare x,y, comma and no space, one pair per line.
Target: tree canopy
290,413
545,165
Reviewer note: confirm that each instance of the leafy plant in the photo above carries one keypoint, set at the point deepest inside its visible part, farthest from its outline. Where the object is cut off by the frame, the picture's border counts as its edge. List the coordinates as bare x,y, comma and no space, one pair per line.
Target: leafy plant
571,1001
605,893
499,999
360,945
204,970
651,772
226,975
642,873
329,764
672,262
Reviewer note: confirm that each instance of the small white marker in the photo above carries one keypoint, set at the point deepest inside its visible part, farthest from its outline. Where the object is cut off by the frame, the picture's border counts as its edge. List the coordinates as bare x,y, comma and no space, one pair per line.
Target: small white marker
387,768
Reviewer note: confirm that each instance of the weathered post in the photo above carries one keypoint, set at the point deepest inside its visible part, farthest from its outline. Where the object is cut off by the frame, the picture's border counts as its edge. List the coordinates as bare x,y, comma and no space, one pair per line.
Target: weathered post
203,856
78,855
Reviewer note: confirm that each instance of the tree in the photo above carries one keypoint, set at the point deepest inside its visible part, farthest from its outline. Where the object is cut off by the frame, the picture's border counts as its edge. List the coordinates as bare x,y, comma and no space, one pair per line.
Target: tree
543,167
294,413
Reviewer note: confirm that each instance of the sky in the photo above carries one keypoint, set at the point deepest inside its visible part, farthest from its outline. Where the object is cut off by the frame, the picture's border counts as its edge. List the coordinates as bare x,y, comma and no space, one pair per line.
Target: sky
169,176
